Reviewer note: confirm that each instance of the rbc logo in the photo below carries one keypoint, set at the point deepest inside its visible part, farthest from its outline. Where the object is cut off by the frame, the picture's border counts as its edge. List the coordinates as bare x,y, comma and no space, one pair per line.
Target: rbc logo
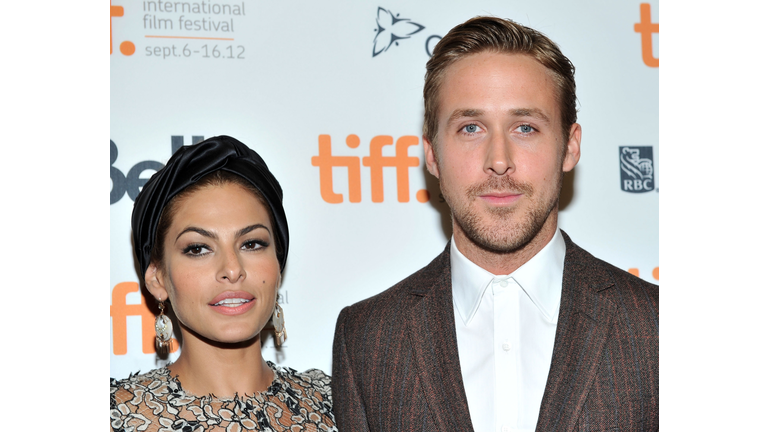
636,169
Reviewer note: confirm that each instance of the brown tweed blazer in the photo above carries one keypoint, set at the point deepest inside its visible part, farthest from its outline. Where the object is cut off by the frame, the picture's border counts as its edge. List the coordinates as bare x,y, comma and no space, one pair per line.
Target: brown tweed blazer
396,362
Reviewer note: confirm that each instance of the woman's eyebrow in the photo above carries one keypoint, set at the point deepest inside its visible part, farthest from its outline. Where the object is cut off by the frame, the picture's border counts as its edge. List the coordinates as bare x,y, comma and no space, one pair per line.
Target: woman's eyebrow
213,236
200,231
250,228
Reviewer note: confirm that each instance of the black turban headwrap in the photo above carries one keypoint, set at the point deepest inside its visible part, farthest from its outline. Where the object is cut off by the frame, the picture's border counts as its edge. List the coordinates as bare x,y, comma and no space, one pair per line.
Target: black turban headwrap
188,165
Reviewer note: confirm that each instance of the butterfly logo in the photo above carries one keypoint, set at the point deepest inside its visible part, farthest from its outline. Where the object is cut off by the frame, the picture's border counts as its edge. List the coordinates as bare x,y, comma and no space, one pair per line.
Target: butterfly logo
390,29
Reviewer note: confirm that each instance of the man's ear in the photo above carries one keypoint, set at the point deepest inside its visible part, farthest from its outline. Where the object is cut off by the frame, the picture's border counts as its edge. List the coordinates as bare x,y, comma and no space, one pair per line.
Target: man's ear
430,159
573,148
155,282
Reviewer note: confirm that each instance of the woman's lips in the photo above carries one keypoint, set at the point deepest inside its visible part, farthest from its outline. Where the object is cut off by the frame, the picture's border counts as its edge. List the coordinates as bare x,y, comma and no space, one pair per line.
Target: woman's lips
233,302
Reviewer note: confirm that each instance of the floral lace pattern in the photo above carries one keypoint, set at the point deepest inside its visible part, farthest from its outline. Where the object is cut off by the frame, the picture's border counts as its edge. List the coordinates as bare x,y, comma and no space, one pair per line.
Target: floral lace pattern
155,402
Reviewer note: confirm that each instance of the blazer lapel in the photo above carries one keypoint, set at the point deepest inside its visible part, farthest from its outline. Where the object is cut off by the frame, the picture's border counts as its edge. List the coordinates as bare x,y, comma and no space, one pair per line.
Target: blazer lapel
432,334
582,329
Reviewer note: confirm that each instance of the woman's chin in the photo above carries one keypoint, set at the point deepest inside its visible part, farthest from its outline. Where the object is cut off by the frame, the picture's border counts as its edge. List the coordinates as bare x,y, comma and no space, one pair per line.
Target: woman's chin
232,337
237,338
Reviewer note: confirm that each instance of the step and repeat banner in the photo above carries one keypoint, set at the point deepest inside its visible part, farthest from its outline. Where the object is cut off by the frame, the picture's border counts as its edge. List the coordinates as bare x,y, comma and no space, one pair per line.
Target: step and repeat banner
316,87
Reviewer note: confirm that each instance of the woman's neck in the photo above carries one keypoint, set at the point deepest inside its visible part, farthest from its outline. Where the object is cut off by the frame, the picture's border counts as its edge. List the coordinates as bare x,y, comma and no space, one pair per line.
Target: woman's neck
203,368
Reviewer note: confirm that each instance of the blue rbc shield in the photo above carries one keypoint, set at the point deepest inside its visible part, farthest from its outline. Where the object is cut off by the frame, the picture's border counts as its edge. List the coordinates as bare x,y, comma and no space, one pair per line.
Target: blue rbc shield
636,168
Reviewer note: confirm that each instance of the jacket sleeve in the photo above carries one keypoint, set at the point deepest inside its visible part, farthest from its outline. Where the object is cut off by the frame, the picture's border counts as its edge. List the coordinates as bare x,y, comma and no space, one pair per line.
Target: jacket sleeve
348,406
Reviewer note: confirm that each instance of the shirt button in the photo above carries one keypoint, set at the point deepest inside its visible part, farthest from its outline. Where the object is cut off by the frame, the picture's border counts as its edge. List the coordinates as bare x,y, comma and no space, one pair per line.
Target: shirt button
503,284
506,429
506,346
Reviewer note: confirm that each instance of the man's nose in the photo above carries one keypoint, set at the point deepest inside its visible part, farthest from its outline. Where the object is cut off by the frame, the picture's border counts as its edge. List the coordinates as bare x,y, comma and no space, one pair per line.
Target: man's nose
499,154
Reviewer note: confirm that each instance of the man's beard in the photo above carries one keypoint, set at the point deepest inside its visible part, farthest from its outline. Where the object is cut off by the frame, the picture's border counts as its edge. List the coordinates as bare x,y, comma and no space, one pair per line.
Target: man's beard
507,232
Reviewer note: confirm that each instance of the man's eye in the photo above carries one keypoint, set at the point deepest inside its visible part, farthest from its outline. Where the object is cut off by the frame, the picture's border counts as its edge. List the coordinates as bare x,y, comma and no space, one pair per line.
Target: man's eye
526,129
472,128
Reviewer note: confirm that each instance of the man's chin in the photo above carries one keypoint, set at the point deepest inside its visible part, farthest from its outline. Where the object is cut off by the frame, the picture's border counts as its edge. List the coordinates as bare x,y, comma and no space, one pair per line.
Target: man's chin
497,232
501,244
499,239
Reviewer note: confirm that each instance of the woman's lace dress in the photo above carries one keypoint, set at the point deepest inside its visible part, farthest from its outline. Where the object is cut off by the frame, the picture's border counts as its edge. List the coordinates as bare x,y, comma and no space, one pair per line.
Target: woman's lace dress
155,401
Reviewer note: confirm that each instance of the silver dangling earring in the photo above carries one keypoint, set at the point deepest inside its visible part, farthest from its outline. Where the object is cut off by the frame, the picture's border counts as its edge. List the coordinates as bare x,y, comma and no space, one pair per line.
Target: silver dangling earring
163,330
278,321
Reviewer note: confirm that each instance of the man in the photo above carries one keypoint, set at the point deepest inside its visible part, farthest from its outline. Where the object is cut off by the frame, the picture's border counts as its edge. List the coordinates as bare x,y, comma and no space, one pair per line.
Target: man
513,327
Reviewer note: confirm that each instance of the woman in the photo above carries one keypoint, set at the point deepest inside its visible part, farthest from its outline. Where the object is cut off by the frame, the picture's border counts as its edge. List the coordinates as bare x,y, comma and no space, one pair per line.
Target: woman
211,239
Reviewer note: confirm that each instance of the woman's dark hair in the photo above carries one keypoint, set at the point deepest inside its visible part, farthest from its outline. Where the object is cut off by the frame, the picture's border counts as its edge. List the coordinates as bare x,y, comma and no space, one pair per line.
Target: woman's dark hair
216,161
216,178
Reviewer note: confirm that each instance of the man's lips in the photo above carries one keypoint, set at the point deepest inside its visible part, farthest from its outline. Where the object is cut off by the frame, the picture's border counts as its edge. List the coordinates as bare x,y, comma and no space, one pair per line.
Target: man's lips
500,198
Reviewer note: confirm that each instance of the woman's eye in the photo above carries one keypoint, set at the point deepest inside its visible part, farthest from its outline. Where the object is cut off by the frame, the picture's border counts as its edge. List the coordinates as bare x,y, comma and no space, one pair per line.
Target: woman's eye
471,128
253,245
196,250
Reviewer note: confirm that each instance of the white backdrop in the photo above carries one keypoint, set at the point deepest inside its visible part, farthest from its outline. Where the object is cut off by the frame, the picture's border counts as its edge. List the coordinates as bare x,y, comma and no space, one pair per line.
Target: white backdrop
279,76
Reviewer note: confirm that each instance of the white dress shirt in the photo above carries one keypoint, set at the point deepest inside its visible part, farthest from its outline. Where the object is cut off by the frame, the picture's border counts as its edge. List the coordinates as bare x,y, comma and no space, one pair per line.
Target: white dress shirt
505,328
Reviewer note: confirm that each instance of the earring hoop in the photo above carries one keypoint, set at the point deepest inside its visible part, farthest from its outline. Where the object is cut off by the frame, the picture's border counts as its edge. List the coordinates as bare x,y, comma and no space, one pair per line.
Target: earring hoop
163,330
278,321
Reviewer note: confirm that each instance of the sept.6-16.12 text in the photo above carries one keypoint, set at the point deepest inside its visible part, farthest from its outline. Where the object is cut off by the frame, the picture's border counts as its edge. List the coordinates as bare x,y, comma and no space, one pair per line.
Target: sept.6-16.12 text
234,52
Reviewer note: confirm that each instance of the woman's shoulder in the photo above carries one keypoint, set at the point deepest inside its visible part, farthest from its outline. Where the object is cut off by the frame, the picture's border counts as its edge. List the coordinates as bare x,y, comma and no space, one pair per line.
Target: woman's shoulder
158,382
312,383
310,389
141,399
312,377
139,379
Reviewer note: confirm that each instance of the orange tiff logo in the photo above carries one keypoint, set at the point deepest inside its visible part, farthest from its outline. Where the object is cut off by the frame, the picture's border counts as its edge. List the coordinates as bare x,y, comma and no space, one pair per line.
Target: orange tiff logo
646,29
119,311
376,162
126,47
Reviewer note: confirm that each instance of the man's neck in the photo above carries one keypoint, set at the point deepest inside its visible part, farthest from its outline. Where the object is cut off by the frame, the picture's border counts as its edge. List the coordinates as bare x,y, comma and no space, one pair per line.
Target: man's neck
503,263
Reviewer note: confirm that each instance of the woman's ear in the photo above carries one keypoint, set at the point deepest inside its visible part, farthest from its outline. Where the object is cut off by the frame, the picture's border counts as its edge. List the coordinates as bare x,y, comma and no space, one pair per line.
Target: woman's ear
155,282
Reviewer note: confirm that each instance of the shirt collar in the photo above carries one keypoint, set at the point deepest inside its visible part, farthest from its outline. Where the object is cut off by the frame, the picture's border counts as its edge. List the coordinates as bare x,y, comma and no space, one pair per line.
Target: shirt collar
541,278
